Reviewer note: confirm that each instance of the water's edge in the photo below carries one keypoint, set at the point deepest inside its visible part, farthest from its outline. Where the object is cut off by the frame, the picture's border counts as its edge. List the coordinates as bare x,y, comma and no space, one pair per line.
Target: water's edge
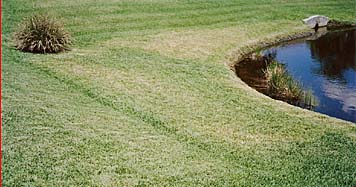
248,56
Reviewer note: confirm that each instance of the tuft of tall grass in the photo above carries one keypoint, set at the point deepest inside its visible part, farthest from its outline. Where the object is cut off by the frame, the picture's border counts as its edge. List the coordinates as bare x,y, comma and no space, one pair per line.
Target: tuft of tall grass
42,34
282,86
308,100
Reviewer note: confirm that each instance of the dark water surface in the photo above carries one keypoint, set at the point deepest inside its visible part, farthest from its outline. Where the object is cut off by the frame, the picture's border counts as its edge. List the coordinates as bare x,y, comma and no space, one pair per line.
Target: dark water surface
327,66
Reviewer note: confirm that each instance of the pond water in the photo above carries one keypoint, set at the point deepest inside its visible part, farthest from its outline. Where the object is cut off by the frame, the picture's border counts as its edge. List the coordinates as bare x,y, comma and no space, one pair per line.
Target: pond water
326,65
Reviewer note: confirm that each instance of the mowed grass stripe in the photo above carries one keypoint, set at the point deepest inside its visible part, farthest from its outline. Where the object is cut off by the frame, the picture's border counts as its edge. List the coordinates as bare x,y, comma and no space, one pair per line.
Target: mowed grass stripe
144,115
157,72
169,10
112,137
178,72
112,27
236,157
237,12
128,103
207,17
173,7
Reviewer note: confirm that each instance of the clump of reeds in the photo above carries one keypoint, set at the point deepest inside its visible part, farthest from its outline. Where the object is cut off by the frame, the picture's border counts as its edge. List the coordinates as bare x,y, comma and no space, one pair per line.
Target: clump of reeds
282,86
42,34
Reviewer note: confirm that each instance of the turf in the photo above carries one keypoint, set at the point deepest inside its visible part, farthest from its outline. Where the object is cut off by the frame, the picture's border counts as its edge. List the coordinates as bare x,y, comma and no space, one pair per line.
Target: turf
145,98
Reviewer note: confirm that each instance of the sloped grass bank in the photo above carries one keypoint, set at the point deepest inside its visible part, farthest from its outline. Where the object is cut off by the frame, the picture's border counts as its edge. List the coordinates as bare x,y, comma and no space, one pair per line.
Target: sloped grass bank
124,109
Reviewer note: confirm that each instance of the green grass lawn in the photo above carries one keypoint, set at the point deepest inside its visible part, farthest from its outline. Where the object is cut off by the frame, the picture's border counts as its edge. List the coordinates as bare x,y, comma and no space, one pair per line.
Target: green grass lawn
146,98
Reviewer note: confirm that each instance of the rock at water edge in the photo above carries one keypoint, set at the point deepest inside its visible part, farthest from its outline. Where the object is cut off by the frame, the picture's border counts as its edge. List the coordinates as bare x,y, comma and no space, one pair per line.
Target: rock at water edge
313,21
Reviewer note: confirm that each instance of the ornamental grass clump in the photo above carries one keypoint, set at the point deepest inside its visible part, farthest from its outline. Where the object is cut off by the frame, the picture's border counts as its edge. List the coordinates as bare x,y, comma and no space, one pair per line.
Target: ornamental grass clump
42,34
282,86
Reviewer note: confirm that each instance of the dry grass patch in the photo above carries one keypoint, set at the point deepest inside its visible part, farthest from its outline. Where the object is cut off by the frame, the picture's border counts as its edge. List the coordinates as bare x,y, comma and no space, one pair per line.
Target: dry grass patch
195,44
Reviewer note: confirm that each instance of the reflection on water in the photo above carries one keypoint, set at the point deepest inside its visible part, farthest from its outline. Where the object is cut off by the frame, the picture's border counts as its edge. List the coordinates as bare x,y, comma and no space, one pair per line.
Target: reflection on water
336,53
328,67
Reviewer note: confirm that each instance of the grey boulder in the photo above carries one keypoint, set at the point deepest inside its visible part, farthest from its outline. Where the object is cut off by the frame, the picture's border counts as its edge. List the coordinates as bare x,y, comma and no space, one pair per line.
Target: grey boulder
317,20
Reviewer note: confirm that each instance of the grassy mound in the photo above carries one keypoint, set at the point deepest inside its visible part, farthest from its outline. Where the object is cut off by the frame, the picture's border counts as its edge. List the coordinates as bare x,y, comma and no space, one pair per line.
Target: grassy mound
42,34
